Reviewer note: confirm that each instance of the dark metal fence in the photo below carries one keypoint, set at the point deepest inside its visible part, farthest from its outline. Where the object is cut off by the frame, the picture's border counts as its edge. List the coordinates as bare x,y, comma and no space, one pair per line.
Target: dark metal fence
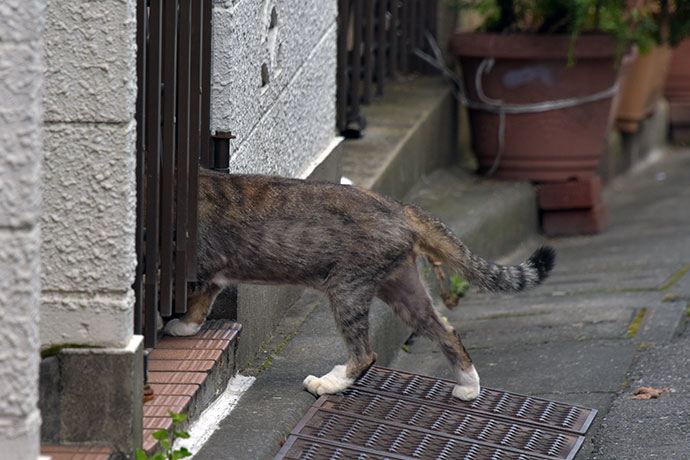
376,41
173,107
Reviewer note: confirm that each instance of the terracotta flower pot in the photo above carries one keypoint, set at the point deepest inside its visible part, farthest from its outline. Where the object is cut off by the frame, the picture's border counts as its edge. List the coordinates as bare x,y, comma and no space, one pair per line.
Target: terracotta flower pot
644,85
677,92
553,145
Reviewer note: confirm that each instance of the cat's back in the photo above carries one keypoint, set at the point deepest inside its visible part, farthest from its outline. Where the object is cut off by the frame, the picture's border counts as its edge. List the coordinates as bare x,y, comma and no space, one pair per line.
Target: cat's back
257,195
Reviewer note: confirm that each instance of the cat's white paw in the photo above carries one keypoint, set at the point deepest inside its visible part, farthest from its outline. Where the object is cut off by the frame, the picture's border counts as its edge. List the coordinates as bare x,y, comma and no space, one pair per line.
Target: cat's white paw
468,387
333,382
179,328
160,324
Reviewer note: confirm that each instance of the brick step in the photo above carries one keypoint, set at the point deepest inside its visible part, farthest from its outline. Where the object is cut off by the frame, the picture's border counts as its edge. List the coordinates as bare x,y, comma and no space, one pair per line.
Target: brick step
575,194
77,452
573,207
576,221
187,373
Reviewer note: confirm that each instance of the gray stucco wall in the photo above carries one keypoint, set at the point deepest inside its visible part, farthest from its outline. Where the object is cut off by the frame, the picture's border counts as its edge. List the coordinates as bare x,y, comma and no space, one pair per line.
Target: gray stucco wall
21,110
273,83
89,196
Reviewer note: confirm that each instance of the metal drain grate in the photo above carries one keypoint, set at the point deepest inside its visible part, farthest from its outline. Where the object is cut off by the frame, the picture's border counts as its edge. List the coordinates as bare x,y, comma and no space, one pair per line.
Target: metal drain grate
396,415
517,407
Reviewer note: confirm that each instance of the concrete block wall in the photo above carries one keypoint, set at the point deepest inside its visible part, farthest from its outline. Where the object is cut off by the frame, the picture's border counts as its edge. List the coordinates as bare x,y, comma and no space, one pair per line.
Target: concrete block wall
274,87
21,111
89,198
87,248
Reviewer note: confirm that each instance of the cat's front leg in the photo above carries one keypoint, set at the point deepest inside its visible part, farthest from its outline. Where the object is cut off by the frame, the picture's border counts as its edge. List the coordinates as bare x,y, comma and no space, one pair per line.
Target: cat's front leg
199,305
340,377
333,382
178,327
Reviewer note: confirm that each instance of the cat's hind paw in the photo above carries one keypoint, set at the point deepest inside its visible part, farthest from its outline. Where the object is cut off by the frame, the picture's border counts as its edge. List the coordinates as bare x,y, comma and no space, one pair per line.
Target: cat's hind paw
466,392
177,327
333,382
468,387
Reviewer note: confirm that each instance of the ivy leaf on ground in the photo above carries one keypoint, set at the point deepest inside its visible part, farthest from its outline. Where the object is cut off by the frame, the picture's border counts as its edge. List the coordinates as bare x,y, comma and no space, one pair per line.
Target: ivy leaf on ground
650,393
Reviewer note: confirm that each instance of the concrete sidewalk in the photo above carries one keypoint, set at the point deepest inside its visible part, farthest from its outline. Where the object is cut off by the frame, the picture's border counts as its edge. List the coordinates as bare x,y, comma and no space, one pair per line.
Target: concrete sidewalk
609,320
570,340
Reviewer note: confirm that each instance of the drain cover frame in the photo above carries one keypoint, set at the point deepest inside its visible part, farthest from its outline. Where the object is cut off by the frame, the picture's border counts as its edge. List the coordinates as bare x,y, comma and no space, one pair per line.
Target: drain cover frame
389,413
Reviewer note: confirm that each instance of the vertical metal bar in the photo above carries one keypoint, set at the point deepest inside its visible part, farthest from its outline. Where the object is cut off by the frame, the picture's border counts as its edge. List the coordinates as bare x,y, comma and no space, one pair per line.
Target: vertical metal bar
197,61
341,75
368,50
404,36
433,26
424,10
381,46
142,32
418,21
355,87
168,155
153,107
394,41
182,176
205,135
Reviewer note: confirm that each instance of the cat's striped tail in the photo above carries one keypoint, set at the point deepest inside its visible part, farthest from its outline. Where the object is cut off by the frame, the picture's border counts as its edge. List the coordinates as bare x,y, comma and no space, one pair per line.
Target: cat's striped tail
436,240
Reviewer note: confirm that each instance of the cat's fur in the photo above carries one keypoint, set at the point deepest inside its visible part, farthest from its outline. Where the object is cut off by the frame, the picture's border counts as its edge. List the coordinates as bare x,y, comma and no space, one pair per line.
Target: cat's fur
352,244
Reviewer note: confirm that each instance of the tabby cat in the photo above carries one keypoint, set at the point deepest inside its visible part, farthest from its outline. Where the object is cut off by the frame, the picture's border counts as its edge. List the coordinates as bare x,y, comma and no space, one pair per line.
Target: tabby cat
349,242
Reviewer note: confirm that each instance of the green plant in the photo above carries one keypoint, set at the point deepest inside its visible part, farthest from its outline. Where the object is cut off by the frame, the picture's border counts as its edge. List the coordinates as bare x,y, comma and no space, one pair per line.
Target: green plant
629,23
458,286
167,440
672,18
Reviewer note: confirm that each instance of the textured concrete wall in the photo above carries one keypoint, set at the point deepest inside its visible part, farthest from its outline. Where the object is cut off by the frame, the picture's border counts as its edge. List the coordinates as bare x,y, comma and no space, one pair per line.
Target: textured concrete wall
274,87
21,109
89,196
273,82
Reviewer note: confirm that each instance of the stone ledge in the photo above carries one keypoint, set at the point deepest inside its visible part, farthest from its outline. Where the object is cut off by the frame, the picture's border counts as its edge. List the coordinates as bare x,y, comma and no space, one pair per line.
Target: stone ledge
411,130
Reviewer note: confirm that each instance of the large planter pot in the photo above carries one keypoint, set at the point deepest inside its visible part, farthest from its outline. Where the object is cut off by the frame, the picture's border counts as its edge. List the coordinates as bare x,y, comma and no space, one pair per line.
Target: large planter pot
644,85
546,146
677,92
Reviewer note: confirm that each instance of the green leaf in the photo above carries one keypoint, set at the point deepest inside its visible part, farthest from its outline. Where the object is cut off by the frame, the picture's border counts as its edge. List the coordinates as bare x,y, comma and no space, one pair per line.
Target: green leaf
181,453
177,418
161,435
158,456
165,444
141,455
181,434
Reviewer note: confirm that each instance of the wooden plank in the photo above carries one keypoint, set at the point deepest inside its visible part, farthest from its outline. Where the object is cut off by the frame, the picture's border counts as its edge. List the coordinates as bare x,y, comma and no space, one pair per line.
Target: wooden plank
368,20
194,134
341,75
393,37
142,33
167,201
381,45
153,106
355,81
183,154
204,137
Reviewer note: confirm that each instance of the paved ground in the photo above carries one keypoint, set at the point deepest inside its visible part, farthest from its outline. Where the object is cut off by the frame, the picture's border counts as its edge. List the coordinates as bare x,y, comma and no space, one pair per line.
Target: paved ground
573,338
569,340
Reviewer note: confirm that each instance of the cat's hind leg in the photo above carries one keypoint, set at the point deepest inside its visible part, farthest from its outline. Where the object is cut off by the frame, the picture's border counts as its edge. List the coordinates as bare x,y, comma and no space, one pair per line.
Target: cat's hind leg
351,311
406,294
199,305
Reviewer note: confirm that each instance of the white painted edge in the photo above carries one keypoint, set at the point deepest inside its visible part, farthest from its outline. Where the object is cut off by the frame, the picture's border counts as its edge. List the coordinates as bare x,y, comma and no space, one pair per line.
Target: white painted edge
321,157
652,157
203,427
